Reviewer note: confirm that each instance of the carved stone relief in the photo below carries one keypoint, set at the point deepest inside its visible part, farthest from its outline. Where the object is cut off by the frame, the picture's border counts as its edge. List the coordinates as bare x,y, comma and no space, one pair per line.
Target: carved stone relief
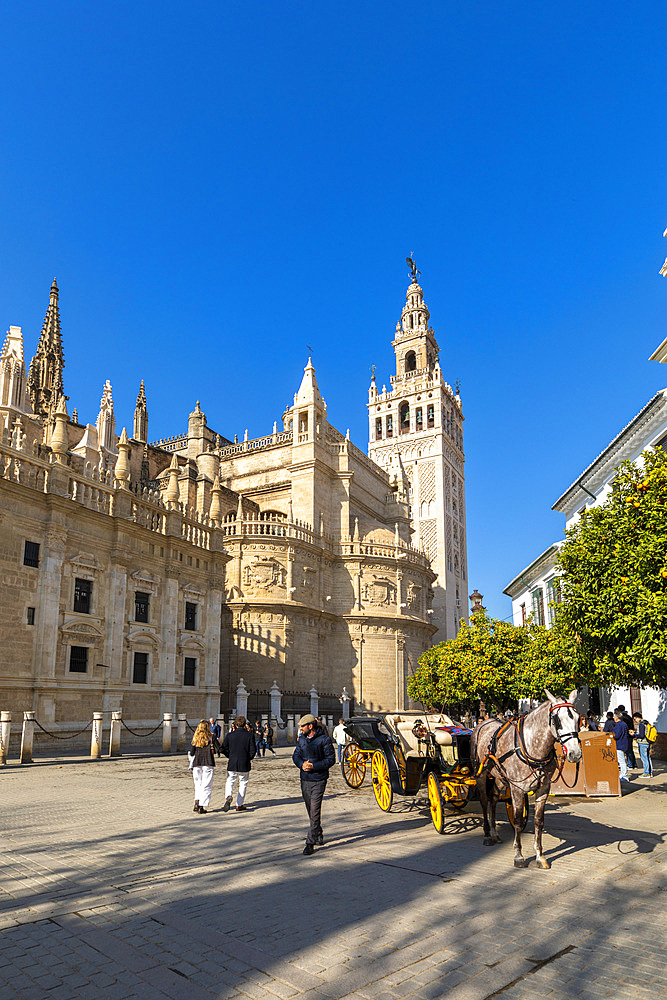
380,592
264,574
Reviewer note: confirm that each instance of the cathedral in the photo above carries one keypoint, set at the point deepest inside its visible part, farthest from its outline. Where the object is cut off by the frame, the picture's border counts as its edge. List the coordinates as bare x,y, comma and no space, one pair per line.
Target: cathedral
159,576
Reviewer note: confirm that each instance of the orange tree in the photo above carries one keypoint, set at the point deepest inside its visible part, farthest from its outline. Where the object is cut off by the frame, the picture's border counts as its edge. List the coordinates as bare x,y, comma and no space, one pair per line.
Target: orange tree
493,661
613,617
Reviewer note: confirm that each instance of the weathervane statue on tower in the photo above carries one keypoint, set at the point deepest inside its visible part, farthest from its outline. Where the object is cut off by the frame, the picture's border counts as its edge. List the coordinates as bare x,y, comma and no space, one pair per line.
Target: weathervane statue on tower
412,264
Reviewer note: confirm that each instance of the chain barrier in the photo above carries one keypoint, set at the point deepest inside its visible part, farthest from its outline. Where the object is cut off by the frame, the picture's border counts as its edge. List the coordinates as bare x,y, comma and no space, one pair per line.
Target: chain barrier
140,735
190,727
72,736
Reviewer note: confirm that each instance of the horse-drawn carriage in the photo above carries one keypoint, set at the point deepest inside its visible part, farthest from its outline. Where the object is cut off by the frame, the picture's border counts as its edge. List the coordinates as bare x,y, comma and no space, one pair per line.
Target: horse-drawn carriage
499,762
406,751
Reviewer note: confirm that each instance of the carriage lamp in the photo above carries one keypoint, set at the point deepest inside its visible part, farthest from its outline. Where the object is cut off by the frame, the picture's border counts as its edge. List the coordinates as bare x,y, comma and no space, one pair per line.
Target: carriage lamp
328,597
292,589
429,611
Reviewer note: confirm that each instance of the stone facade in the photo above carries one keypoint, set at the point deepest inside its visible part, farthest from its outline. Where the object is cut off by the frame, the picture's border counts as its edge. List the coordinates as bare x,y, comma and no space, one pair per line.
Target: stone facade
152,577
415,433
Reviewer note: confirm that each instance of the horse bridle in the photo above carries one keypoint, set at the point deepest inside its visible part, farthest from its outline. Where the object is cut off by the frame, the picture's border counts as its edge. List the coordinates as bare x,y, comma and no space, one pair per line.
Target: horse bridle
562,737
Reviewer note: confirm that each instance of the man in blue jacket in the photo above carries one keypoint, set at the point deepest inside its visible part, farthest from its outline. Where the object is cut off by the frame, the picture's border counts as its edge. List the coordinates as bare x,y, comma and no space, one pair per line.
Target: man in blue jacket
313,755
621,735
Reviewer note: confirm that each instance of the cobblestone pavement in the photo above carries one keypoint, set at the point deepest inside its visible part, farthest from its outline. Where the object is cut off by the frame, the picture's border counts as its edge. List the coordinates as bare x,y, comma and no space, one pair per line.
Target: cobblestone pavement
111,887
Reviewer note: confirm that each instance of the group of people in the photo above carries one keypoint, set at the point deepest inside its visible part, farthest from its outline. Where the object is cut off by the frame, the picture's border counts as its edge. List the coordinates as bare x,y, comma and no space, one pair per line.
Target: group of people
314,756
625,728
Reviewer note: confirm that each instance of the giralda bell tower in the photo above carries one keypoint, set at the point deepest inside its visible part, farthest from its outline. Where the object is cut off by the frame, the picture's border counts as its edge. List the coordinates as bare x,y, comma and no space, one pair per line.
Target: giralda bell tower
415,432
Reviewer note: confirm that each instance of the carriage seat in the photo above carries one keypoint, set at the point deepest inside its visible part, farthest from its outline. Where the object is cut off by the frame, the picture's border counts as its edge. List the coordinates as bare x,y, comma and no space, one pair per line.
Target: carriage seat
401,725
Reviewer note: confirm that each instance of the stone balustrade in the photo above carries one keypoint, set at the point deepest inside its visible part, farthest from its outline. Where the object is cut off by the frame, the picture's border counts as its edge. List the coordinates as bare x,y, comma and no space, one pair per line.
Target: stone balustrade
256,444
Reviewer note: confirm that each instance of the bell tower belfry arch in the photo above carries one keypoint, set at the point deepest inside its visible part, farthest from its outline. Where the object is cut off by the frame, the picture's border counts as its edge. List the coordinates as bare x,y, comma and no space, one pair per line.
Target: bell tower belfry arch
418,422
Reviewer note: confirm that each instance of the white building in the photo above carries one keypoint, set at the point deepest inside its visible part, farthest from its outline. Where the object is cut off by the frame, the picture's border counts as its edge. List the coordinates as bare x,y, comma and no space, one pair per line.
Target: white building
535,589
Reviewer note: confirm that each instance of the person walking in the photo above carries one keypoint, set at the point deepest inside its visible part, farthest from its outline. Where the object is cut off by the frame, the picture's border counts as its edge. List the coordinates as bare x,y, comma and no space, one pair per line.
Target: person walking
340,737
268,740
314,755
215,735
621,735
259,738
239,747
202,764
643,743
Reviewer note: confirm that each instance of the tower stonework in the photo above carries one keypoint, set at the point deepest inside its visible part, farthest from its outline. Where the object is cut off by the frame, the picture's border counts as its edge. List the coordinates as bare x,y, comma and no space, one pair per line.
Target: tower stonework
416,433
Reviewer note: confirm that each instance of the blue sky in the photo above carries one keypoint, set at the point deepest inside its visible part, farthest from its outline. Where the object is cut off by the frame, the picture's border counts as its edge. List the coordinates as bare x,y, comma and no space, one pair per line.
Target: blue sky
217,185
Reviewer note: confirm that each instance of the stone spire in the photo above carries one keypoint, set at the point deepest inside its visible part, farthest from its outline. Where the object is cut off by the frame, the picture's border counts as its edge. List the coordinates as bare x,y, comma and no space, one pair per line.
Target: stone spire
12,371
309,391
106,423
45,377
140,432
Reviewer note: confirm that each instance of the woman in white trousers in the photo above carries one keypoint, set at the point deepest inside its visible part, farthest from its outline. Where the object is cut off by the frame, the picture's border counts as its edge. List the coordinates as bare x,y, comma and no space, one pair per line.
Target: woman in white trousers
202,763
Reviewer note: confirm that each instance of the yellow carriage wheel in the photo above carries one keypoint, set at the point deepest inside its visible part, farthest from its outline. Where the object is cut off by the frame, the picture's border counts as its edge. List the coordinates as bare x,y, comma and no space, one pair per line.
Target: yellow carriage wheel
524,811
435,802
353,765
381,781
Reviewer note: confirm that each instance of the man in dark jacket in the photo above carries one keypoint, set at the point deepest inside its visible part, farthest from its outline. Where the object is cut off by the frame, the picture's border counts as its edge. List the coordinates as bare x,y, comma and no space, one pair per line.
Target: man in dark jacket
627,719
314,754
620,734
239,746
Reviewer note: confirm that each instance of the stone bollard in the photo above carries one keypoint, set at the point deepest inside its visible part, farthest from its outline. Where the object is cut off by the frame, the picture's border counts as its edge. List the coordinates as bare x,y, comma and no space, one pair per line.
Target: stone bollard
114,735
96,736
26,737
241,699
180,732
166,733
5,733
314,702
290,729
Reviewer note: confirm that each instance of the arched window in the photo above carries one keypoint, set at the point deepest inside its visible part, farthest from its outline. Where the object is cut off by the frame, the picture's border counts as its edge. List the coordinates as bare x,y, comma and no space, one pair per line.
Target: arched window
404,413
410,361
419,420
378,428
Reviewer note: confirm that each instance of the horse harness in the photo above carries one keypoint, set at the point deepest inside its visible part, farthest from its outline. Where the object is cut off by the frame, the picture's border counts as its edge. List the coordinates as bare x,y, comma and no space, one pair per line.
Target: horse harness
536,764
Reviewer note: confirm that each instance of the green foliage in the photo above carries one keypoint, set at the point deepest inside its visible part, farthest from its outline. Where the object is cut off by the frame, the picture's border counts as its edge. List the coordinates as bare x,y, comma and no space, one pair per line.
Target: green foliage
495,661
613,619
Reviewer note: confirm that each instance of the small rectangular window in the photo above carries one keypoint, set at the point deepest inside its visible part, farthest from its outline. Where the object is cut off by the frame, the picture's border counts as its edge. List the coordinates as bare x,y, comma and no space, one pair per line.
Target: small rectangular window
390,425
189,671
31,554
30,616
378,428
78,659
140,668
190,616
430,415
141,606
83,590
